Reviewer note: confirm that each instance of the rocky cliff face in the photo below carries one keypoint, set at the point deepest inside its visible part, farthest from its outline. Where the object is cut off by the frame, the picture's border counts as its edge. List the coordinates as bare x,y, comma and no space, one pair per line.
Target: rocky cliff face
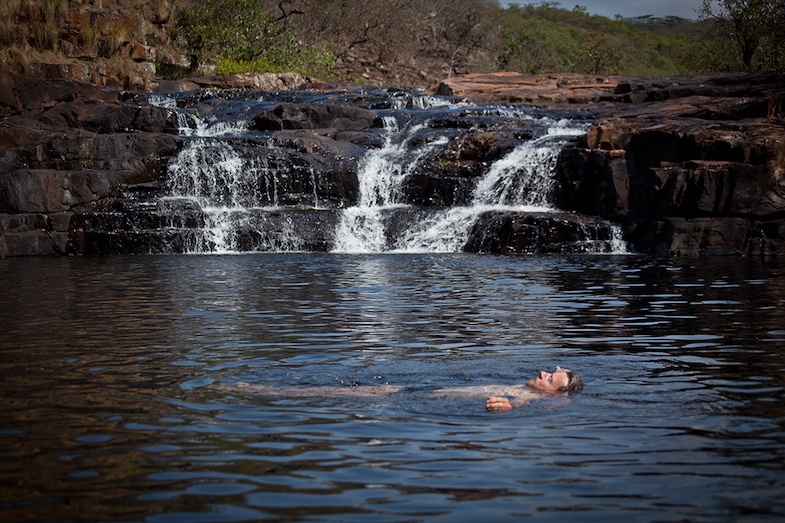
689,165
65,147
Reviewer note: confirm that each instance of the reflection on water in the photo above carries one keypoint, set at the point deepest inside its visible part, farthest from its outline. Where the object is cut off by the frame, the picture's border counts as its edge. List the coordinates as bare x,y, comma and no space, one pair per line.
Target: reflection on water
117,398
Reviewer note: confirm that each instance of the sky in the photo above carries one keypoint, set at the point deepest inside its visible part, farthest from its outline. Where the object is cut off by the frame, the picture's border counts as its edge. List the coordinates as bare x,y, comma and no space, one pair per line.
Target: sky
628,8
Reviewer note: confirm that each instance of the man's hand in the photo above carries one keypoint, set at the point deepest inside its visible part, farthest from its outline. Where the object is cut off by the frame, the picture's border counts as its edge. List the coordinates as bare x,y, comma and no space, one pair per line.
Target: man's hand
498,403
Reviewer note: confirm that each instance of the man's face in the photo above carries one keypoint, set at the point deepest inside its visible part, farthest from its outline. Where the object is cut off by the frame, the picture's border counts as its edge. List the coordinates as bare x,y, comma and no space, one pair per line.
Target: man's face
550,381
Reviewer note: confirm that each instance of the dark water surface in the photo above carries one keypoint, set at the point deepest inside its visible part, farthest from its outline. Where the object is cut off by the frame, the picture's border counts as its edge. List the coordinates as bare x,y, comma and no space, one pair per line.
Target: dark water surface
117,398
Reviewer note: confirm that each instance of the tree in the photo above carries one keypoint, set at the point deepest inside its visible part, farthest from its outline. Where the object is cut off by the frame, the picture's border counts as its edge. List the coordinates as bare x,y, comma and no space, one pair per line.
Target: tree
534,44
756,27
600,55
440,37
237,30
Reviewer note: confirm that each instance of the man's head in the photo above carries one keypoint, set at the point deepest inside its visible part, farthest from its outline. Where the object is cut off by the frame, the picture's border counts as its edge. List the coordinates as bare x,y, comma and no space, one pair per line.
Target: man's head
561,380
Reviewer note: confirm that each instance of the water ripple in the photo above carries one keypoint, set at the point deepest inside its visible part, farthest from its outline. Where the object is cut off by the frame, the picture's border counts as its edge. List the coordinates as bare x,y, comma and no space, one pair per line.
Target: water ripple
122,395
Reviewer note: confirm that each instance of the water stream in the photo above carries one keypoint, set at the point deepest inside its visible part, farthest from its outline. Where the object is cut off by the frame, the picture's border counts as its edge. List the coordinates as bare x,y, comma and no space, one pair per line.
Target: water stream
247,183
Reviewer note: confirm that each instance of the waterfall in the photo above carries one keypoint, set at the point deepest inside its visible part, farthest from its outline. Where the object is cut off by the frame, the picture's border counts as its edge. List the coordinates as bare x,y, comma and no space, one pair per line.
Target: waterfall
236,186
263,190
380,174
523,180
525,177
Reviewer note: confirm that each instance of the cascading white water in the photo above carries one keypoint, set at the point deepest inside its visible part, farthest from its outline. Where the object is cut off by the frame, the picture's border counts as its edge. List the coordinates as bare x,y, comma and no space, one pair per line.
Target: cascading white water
229,187
523,180
222,183
380,175
236,182
235,186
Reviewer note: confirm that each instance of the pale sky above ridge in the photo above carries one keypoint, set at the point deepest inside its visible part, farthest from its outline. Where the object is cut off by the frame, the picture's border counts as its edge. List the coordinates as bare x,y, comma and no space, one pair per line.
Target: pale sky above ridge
628,8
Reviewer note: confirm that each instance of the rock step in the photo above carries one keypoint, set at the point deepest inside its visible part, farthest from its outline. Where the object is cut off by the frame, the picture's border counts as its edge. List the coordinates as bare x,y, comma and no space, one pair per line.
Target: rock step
34,234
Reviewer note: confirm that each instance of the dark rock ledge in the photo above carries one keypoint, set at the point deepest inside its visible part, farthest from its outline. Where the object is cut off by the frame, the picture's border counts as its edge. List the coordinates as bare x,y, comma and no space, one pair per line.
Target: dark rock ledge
689,165
65,146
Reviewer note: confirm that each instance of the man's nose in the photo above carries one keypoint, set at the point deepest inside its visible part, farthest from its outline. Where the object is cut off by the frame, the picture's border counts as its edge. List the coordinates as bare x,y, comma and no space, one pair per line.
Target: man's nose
543,374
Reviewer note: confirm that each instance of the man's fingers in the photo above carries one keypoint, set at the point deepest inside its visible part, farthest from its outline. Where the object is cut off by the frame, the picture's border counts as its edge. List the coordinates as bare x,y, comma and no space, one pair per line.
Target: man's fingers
495,403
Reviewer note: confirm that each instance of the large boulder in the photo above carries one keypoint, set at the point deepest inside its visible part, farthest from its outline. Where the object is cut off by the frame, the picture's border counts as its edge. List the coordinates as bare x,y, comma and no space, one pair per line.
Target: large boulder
540,233
49,190
108,117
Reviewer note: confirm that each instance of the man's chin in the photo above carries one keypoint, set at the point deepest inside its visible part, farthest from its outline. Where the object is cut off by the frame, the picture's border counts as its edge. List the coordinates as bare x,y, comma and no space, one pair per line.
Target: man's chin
532,384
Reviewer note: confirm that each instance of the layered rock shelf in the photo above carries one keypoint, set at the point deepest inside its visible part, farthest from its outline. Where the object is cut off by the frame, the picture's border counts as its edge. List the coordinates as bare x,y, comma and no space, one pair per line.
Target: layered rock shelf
687,166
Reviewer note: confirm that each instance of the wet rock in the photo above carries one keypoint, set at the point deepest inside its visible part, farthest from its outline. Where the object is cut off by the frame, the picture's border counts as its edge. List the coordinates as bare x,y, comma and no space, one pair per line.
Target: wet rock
129,226
539,233
66,147
108,117
287,230
33,234
48,191
447,175
180,226
314,116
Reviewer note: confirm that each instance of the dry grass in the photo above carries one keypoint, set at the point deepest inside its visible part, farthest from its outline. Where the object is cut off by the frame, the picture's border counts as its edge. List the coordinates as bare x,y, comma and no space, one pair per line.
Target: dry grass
36,23
41,31
14,60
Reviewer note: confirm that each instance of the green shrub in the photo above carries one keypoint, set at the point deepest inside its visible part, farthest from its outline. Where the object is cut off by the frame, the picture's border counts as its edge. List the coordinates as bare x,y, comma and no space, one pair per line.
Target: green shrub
239,36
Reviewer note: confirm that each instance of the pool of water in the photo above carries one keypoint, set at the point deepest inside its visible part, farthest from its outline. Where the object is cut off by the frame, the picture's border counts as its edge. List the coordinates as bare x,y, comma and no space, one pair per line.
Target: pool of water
119,397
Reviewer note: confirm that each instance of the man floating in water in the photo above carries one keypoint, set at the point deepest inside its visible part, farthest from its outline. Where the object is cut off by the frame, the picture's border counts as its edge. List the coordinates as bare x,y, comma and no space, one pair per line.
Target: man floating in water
562,382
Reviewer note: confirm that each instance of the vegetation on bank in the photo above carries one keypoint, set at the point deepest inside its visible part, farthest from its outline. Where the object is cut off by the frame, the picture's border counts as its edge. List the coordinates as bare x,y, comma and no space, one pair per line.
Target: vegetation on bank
545,38
386,41
247,39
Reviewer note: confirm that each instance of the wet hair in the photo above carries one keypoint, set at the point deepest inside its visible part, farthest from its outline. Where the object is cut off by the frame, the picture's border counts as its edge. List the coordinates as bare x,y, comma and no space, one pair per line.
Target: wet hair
574,385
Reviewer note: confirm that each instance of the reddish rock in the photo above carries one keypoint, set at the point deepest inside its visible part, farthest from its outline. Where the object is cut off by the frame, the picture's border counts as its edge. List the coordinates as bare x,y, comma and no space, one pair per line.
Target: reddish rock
254,81
531,88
